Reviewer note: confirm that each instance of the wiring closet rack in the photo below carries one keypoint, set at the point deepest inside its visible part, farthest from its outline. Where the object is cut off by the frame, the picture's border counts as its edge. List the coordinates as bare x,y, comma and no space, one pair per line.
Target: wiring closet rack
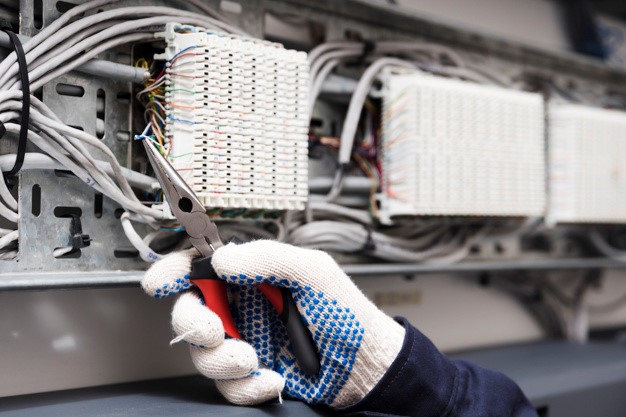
50,201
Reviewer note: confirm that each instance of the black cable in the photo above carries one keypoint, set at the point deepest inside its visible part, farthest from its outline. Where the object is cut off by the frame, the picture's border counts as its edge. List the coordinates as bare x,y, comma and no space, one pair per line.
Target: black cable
16,44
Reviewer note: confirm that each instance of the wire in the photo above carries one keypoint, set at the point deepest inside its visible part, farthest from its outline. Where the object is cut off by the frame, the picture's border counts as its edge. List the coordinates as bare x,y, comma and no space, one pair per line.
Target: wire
78,36
41,161
73,39
67,138
353,115
604,247
145,252
8,238
608,307
342,236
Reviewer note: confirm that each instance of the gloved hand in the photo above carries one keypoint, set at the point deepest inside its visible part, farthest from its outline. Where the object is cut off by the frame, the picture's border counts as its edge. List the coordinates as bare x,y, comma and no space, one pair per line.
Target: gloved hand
356,341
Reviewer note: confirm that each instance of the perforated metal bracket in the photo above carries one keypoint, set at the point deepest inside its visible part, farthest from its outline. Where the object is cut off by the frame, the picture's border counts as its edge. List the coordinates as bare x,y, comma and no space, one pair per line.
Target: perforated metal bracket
100,107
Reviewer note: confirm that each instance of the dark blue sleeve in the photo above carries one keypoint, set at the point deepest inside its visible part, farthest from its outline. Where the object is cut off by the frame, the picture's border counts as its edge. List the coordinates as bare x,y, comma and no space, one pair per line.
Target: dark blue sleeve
423,382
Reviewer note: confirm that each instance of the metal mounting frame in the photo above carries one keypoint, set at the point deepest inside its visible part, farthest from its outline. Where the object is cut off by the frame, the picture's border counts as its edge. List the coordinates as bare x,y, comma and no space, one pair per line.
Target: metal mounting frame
75,279
38,269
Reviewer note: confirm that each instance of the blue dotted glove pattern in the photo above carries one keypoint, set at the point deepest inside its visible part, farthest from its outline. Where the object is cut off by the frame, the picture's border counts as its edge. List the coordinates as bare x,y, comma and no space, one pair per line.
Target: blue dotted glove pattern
334,327
181,284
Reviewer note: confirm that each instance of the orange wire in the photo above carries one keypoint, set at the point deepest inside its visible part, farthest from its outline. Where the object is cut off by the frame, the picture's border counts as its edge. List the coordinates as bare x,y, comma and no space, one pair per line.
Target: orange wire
182,106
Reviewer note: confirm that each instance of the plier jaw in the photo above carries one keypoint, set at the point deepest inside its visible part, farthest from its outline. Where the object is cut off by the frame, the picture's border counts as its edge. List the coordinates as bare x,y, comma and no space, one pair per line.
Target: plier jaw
184,203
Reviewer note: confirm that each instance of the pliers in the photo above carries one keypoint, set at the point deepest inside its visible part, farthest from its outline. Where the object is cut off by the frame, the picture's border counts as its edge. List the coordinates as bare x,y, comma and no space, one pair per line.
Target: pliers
204,236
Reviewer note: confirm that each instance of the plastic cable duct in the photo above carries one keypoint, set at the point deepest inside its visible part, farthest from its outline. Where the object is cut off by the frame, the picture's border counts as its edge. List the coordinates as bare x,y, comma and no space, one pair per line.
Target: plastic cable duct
239,137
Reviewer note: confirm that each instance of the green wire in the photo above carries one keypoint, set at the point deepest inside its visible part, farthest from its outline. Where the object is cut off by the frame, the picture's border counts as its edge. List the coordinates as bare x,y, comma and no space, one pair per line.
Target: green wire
181,155
183,90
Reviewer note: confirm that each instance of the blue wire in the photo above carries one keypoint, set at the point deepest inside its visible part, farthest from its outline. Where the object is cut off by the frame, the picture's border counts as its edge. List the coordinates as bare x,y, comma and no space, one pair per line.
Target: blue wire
144,134
173,230
181,120
181,52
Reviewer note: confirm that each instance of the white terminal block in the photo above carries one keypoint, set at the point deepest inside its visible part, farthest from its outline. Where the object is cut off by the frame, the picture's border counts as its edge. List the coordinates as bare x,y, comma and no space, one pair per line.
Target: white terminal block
587,154
456,148
237,118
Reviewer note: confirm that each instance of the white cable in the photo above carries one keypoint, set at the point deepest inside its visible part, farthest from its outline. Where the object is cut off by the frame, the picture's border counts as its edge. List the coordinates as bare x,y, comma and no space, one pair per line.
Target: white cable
361,216
161,15
41,161
8,238
59,252
351,121
322,53
607,250
57,154
219,18
8,256
350,237
53,27
147,254
407,46
316,87
135,37
316,52
74,50
358,99
126,196
93,141
315,66
7,213
464,73
5,194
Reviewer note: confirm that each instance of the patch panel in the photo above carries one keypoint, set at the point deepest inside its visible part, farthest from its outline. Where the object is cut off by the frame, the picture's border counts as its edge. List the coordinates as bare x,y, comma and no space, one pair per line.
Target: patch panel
587,175
456,148
237,120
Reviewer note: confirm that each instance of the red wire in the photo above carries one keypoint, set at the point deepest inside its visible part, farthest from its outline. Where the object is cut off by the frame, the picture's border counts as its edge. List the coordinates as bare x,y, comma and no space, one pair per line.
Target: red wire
182,55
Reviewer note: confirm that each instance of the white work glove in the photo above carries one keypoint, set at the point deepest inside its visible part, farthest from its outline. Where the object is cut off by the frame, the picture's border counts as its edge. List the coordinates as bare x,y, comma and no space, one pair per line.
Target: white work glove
356,341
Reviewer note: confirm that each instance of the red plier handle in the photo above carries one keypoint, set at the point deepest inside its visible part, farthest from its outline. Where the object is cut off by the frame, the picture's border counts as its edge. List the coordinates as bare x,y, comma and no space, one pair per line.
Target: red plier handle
215,298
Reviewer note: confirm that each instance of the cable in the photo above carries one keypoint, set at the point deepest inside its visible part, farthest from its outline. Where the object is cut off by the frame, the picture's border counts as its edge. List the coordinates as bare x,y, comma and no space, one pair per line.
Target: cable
75,40
608,307
360,216
219,17
350,237
604,247
65,45
316,87
136,37
125,195
353,115
8,238
57,50
160,15
58,154
16,45
147,254
8,214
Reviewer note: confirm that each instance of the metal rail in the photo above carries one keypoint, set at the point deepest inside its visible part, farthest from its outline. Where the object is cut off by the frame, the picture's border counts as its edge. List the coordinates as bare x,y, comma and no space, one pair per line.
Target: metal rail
57,280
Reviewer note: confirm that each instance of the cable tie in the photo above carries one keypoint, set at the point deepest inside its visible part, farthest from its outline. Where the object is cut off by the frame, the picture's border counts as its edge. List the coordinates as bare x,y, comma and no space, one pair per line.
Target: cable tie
16,45
78,239
345,167
369,246
368,48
